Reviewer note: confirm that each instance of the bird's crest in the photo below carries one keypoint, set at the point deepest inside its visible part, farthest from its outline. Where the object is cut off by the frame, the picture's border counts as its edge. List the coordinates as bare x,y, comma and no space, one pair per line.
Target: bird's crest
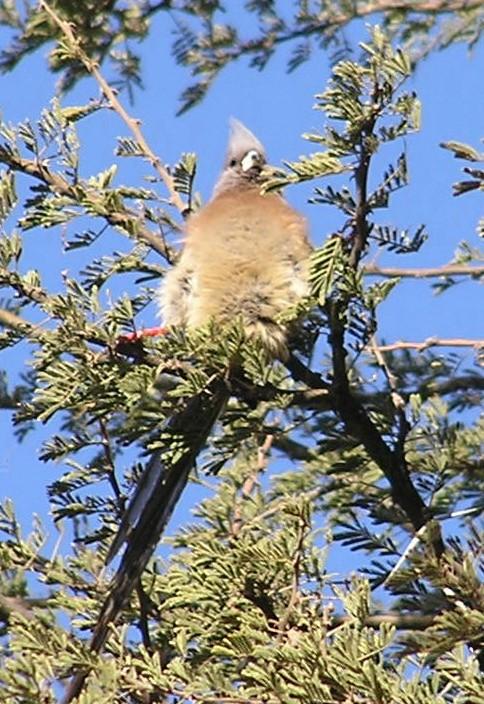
241,141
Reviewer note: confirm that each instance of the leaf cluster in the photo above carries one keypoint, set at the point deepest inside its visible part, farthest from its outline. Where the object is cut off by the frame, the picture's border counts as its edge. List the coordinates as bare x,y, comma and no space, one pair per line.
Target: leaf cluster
206,40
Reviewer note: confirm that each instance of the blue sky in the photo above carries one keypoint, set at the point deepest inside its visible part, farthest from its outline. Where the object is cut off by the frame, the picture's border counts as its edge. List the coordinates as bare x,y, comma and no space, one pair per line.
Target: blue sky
278,108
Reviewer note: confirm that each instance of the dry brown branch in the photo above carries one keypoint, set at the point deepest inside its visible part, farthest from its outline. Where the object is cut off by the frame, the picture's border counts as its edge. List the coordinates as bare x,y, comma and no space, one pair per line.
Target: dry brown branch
391,378
431,342
110,94
425,273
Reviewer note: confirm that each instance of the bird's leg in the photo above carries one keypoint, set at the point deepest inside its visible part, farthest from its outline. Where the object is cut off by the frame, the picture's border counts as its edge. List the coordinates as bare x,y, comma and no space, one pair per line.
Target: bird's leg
131,344
140,334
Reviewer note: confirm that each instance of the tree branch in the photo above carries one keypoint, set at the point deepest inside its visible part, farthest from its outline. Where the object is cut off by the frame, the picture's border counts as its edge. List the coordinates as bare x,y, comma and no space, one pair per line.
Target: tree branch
358,422
412,622
426,273
249,484
296,564
471,382
332,19
24,606
110,95
393,464
124,219
431,342
360,225
33,293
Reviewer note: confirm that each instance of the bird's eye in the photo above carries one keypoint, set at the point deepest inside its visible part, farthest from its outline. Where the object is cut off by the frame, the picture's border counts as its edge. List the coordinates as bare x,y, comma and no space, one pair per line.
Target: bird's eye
233,162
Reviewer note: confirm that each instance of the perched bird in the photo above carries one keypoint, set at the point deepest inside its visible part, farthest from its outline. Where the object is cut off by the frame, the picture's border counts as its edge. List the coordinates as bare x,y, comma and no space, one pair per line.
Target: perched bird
245,255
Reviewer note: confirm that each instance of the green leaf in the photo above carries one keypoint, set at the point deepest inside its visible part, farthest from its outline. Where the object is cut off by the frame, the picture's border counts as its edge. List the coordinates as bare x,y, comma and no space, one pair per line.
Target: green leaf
378,292
463,151
324,266
184,173
8,196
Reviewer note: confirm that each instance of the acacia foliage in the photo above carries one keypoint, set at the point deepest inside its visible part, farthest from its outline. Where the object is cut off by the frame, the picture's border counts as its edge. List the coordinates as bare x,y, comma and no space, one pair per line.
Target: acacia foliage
242,607
207,38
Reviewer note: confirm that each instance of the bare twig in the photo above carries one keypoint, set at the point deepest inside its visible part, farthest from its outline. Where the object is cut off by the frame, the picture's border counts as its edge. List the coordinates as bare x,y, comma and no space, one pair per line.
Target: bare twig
19,605
249,484
110,95
415,541
425,273
432,342
263,452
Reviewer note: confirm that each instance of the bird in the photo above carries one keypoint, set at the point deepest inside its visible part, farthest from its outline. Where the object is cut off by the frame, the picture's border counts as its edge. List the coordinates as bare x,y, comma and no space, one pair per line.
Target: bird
245,256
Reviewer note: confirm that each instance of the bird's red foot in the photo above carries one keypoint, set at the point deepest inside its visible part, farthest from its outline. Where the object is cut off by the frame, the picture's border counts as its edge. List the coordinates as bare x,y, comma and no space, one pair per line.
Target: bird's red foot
140,334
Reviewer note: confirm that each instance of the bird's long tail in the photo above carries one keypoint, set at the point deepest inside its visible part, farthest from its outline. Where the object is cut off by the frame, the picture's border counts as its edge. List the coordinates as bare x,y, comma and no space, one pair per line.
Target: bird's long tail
161,485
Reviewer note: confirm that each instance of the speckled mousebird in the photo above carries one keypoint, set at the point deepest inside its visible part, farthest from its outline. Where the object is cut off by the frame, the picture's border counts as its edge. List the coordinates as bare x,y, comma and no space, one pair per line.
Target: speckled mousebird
245,255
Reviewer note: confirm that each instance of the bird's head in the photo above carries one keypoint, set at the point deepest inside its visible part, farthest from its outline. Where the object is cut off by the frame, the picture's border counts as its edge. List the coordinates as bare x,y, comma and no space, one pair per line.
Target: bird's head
244,160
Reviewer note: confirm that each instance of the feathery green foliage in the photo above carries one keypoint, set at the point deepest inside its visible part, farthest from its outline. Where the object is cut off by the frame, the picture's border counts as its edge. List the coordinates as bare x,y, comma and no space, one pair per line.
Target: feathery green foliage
242,605
205,39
